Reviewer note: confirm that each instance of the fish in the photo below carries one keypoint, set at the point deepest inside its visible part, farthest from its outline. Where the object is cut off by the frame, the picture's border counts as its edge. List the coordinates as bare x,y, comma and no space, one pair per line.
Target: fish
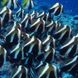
70,65
12,4
49,41
30,46
65,34
66,50
23,71
47,71
3,10
34,27
49,56
48,17
24,21
34,14
20,13
2,39
3,56
7,16
56,9
51,27
42,15
29,4
1,23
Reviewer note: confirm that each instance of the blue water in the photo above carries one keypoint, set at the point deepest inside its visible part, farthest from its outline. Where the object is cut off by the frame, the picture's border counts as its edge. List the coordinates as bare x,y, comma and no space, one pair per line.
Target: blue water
70,6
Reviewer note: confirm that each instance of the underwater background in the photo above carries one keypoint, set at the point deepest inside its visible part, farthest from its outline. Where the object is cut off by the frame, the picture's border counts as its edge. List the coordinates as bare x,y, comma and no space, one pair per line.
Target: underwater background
70,6
68,17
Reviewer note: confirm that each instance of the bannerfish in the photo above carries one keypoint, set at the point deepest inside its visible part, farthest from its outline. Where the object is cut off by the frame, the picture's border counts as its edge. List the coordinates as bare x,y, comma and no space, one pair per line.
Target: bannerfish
34,43
56,9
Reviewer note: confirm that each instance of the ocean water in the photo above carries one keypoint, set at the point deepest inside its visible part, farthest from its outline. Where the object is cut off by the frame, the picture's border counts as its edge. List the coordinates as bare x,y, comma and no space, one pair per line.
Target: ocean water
70,6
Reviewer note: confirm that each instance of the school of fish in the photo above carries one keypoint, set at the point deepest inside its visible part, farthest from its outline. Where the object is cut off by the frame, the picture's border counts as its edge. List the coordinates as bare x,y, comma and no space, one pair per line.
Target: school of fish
36,45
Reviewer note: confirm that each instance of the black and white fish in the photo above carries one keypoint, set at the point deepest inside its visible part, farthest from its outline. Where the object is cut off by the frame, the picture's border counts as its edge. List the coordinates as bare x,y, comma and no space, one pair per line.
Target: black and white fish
56,9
